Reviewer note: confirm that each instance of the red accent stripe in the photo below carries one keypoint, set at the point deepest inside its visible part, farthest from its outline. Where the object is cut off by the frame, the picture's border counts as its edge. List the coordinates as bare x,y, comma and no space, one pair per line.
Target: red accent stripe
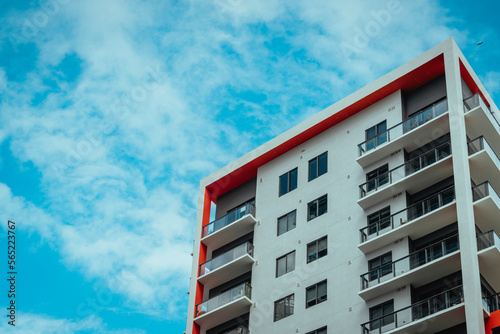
492,322
470,82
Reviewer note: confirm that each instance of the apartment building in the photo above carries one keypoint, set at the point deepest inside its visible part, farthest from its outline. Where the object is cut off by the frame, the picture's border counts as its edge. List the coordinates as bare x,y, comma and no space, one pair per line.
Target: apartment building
379,214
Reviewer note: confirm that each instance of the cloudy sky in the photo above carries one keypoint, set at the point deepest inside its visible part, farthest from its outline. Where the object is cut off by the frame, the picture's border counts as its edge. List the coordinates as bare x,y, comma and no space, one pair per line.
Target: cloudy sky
112,111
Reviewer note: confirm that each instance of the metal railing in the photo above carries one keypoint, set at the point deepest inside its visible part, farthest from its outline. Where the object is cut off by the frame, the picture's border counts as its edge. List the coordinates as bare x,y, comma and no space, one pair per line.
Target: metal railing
411,261
479,144
226,257
492,303
415,312
247,209
421,117
411,166
475,101
239,330
483,190
488,239
412,212
224,298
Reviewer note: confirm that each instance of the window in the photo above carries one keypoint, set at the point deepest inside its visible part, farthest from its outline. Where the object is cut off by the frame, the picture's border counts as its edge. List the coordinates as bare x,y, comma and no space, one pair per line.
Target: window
376,135
377,177
287,222
316,294
495,330
379,220
380,266
318,331
381,315
317,207
288,181
285,264
317,249
318,166
283,307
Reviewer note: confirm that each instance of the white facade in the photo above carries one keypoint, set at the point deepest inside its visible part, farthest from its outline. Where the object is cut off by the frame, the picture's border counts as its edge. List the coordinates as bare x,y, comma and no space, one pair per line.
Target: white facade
442,276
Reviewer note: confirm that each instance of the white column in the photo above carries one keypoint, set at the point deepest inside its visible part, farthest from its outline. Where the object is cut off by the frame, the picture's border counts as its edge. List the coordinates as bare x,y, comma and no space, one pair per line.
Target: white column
463,193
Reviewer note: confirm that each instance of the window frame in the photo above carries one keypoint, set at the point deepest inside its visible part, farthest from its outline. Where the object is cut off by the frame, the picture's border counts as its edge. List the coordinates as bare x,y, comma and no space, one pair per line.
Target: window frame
317,331
317,299
384,175
276,303
375,137
317,209
317,253
317,167
287,270
289,181
382,269
379,220
287,216
380,322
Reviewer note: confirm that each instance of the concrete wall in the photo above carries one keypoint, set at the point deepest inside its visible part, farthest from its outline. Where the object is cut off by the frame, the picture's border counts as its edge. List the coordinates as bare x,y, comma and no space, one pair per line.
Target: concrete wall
425,95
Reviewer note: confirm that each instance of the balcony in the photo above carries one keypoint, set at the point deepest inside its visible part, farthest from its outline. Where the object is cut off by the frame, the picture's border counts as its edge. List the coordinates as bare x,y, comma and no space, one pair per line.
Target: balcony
480,121
226,306
417,220
492,303
226,266
404,134
484,162
230,227
239,330
486,207
412,176
439,312
489,257
418,268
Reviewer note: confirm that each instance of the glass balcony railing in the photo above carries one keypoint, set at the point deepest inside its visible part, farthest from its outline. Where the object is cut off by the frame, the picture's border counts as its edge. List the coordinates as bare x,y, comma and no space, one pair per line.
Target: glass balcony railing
415,312
412,212
247,209
479,144
416,120
239,330
411,166
410,262
475,101
226,257
224,298
488,239
483,190
492,303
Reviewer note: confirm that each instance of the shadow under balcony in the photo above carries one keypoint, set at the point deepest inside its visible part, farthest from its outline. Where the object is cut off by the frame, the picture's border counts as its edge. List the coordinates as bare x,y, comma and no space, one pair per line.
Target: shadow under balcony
412,176
486,207
484,162
403,135
419,268
480,121
424,217
229,227
429,316
489,258
226,306
226,266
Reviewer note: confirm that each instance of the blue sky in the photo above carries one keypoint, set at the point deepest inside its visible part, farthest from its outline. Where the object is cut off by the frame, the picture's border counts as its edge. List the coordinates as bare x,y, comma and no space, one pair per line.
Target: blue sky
112,111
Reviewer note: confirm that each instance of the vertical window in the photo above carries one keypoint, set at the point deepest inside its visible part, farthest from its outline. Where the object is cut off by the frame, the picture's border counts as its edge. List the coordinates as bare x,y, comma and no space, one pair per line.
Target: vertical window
316,294
318,166
379,220
318,331
376,135
317,249
381,315
317,207
285,264
377,178
283,307
380,266
288,181
287,222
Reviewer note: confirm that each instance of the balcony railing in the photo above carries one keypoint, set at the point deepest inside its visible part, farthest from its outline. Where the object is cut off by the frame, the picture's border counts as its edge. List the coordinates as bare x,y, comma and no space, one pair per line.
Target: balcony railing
475,101
421,117
483,190
410,262
412,212
406,169
492,303
226,257
479,144
488,239
415,312
239,330
247,209
224,298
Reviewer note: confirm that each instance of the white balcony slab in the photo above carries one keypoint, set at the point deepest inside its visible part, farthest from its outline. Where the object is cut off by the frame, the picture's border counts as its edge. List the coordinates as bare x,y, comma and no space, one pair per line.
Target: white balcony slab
224,313
485,166
230,232
489,266
487,213
227,272
480,122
